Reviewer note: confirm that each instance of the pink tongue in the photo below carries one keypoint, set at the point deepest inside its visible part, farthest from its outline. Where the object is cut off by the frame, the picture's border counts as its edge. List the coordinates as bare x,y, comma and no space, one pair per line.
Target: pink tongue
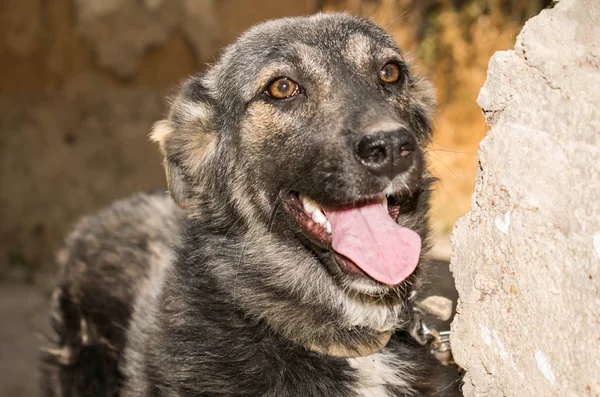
370,238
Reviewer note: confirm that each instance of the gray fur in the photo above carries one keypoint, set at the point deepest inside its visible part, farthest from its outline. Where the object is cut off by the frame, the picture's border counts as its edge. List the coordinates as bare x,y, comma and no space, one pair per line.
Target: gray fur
227,297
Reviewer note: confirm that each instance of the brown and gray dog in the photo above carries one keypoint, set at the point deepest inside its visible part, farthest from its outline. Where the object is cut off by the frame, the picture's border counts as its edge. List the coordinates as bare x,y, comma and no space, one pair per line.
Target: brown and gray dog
285,260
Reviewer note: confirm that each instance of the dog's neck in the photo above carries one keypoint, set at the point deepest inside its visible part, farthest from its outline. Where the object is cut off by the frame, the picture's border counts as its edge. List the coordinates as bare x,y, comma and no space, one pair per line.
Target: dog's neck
318,331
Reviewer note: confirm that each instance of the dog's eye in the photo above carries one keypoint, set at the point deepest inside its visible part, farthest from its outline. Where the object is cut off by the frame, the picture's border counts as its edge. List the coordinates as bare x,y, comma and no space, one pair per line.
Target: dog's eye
282,88
390,73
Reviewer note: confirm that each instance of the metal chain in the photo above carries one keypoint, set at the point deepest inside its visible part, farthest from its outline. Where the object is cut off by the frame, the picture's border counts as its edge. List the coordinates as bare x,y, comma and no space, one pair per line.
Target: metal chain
438,341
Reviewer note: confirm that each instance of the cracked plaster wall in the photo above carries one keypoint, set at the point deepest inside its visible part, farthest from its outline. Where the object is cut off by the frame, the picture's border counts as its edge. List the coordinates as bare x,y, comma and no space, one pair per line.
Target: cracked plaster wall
527,256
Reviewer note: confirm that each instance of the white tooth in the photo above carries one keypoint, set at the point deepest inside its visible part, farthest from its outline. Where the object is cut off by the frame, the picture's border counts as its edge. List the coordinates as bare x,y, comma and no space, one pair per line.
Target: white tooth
384,201
309,205
328,227
318,216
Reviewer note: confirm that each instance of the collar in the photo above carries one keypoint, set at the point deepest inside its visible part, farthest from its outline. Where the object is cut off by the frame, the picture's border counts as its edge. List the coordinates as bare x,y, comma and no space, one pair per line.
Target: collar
360,350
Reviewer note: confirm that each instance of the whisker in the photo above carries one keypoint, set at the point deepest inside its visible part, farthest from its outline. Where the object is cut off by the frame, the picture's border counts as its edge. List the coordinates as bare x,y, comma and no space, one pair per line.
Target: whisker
450,151
447,386
394,20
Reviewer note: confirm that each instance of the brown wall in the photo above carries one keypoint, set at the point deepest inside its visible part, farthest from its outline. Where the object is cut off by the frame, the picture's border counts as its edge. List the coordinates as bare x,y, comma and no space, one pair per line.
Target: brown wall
82,81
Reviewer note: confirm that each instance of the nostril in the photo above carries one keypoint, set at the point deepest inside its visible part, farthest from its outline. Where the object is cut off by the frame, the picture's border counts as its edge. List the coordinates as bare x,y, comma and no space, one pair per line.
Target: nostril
377,153
406,149
372,151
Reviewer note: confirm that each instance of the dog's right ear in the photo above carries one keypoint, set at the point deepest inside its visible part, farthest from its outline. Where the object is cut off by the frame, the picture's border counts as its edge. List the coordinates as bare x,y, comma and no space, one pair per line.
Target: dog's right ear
187,140
161,132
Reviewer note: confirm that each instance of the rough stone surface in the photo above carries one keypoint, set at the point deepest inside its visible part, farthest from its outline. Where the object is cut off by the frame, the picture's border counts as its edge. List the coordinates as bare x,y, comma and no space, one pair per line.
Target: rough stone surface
527,256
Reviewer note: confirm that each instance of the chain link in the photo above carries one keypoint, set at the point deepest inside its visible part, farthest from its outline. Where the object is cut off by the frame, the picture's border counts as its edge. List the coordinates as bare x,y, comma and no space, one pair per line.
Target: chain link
438,341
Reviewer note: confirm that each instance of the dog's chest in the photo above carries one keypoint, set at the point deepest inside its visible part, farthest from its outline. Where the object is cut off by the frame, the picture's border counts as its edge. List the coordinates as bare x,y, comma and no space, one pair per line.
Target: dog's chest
380,373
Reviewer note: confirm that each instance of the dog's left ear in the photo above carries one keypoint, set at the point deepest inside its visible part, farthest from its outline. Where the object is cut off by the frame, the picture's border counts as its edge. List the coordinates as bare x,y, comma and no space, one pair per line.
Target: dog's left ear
187,141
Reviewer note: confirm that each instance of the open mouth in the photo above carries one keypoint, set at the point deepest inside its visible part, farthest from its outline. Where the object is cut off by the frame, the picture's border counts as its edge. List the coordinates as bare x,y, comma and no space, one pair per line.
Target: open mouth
364,237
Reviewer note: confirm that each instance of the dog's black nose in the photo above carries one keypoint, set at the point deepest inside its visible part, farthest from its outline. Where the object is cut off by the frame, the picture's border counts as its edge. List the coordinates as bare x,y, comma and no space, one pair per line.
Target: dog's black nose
388,153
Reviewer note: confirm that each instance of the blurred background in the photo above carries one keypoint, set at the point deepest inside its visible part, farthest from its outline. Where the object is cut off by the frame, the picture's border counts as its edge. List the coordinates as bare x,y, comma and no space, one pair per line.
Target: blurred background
82,81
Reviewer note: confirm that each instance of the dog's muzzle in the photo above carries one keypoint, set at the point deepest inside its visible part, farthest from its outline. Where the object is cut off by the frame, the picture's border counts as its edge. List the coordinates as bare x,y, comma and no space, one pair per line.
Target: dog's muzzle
387,153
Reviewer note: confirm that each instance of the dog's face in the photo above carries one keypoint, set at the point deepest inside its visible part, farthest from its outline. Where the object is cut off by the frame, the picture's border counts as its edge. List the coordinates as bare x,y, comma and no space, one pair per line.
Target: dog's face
310,130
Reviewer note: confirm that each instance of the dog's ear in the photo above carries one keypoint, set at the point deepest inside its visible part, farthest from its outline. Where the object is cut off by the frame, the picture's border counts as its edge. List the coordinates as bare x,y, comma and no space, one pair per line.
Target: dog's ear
187,140
161,132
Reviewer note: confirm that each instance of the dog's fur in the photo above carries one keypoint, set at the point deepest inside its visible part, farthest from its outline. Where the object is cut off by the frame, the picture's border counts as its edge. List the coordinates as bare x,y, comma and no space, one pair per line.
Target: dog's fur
227,297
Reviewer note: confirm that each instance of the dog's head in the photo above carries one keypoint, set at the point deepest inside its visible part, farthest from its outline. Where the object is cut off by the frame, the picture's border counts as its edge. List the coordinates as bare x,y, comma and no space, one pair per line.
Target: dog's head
309,135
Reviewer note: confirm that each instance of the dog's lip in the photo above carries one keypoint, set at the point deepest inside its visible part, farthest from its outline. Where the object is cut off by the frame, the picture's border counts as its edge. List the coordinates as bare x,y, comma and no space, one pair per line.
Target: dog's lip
293,197
319,236
311,229
348,266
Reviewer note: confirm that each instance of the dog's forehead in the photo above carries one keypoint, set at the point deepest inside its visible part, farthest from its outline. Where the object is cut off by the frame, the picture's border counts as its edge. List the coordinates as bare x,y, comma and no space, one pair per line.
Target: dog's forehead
327,31
314,46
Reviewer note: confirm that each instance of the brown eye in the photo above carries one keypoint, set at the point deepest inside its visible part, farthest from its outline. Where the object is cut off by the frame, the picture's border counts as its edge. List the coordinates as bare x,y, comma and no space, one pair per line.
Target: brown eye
282,88
390,73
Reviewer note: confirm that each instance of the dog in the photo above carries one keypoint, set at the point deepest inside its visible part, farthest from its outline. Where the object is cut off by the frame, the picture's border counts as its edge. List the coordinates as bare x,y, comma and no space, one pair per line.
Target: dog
285,260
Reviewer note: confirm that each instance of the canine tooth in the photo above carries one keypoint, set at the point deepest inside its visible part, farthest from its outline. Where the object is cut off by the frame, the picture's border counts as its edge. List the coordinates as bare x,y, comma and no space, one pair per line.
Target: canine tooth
328,227
309,205
318,216
384,201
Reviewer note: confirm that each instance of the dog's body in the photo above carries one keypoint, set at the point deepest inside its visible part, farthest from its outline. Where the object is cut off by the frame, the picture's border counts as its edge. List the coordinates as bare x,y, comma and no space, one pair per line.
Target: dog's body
242,293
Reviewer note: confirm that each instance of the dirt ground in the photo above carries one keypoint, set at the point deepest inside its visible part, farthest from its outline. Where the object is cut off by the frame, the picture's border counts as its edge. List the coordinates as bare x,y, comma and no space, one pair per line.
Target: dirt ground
23,310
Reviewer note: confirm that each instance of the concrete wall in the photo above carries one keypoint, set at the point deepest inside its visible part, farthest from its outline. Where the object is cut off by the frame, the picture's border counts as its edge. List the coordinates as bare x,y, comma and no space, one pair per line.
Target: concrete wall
527,256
